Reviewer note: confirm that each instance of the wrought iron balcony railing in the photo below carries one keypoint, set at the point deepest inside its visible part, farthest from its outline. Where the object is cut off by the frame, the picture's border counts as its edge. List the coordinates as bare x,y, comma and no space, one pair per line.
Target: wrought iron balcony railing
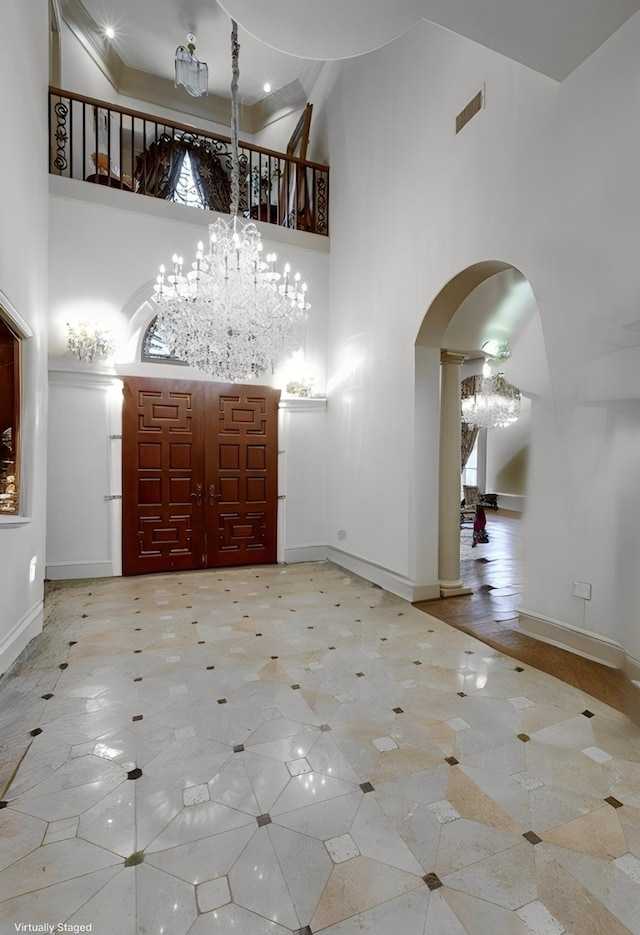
135,152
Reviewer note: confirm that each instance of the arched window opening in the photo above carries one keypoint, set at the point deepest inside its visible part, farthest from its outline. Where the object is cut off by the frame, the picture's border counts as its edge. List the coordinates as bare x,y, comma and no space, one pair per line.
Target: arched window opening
155,349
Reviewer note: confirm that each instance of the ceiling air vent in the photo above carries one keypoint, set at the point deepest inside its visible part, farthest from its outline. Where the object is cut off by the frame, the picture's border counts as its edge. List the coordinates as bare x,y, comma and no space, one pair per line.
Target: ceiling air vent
469,111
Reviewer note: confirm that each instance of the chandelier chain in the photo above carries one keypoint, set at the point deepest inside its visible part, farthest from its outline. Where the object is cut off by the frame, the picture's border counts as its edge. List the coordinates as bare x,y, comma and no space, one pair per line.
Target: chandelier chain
231,314
235,162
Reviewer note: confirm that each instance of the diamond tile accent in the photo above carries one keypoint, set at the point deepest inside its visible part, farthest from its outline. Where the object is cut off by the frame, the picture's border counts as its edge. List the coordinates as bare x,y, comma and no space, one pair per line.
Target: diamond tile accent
521,702
194,795
295,687
213,895
385,744
239,747
610,800
35,731
588,713
360,674
342,848
532,837
324,728
457,723
527,780
263,820
398,710
630,865
134,773
451,760
47,696
443,811
137,717
299,767
525,738
595,753
305,931
222,701
366,787
432,881
539,920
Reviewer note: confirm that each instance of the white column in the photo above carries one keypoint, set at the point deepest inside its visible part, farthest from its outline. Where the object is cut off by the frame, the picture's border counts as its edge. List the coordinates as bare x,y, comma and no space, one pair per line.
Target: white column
449,485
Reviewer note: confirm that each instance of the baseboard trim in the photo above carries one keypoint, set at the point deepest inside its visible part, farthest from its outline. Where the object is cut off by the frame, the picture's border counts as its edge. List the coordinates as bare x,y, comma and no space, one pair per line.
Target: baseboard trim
565,636
68,571
21,635
305,553
383,577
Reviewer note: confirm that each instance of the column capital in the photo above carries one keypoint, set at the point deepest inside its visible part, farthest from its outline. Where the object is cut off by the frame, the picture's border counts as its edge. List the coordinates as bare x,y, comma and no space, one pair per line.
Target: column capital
451,357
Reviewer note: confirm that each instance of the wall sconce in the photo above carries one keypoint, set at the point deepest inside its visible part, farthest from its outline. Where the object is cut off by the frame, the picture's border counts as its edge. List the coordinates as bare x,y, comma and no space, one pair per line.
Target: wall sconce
88,342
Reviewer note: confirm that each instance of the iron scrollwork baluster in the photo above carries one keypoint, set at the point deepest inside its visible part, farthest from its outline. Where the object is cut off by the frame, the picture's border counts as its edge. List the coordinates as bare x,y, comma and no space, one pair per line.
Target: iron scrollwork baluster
61,110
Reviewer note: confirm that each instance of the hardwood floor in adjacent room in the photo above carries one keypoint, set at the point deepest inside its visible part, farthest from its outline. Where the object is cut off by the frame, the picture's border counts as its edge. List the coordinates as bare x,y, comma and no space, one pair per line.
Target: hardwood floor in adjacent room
494,571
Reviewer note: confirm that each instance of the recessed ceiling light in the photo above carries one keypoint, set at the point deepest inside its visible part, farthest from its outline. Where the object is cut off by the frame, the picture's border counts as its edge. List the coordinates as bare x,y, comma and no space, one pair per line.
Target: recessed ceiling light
109,32
266,87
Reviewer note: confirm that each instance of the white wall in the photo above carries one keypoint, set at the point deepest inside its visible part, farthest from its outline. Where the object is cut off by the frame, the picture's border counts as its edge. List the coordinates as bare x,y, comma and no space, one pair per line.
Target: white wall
23,280
508,456
544,178
411,206
587,456
117,240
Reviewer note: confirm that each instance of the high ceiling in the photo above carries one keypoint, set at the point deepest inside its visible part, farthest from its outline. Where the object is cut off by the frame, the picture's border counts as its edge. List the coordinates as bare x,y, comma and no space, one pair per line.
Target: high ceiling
283,42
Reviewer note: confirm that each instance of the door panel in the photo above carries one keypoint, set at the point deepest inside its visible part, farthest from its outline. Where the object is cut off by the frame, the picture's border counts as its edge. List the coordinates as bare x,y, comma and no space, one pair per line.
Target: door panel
242,452
199,475
163,476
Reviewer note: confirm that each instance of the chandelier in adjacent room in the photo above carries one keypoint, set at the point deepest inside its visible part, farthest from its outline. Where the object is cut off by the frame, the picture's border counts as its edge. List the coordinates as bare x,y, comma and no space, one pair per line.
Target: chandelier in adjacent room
231,314
489,402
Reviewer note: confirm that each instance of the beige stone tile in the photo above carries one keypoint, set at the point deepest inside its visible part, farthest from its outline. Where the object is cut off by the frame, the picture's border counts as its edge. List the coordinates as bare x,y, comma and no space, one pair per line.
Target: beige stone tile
598,833
479,917
465,842
571,902
358,885
394,764
475,804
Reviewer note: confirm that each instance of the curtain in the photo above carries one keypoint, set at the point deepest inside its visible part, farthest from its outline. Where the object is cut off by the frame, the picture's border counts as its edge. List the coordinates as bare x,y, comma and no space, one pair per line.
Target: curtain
211,179
158,167
469,433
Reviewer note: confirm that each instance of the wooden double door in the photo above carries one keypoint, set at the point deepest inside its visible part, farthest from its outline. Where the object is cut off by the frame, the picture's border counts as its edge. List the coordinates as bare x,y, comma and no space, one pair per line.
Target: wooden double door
199,475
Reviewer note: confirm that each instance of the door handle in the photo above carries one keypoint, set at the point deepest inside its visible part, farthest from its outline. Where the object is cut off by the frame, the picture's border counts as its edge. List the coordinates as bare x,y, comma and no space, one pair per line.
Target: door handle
213,496
198,494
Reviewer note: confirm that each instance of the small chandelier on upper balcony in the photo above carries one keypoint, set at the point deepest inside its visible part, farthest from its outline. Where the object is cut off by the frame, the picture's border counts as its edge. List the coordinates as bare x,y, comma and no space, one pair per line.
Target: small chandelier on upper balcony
231,315
190,73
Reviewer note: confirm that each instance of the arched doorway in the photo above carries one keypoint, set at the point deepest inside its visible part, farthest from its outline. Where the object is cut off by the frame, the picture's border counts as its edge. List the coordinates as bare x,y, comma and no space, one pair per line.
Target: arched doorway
492,300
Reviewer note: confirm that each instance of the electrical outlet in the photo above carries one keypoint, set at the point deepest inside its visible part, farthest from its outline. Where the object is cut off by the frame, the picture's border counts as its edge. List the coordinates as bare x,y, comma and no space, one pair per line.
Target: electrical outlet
582,589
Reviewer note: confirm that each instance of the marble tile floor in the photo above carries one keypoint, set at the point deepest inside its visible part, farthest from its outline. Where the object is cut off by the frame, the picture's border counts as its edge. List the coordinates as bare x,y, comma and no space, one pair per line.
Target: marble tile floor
290,749
494,571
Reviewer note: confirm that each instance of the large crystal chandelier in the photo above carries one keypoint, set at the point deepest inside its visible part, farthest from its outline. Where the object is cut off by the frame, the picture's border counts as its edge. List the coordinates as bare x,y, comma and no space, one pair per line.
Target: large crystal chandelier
491,402
231,315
